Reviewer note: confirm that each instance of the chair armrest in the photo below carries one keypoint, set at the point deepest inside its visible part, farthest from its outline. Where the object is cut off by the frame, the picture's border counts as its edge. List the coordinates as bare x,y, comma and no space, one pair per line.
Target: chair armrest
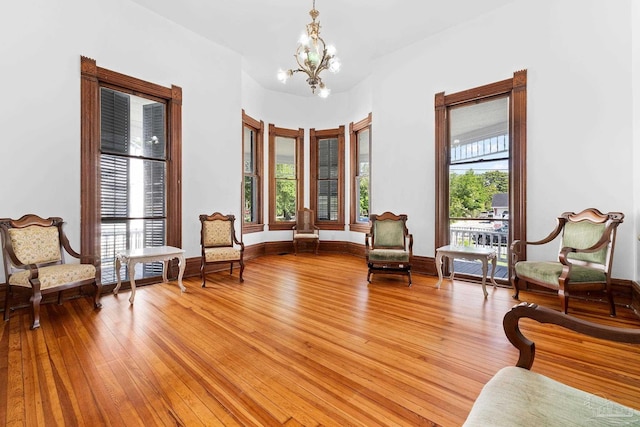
527,347
517,246
367,242
238,242
410,236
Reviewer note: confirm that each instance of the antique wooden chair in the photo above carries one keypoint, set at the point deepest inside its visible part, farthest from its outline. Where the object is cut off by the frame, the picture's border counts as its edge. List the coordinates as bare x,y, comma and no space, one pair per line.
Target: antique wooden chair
219,243
389,245
305,230
33,250
587,240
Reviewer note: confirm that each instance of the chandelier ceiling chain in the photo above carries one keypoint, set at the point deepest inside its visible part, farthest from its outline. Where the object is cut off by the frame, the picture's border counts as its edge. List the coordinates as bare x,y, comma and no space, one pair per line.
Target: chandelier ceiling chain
313,56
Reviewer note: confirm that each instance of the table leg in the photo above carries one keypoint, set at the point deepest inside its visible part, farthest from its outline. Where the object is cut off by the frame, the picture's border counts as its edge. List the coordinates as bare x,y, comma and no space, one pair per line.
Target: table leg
494,261
439,268
485,262
132,273
181,265
451,267
165,267
117,288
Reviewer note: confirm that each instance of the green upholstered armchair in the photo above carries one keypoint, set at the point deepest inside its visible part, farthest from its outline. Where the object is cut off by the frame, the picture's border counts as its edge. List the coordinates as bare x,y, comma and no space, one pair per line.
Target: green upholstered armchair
587,240
33,249
219,243
389,245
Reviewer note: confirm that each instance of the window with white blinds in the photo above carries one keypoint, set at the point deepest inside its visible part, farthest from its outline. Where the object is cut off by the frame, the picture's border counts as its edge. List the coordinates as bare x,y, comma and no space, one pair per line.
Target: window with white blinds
133,171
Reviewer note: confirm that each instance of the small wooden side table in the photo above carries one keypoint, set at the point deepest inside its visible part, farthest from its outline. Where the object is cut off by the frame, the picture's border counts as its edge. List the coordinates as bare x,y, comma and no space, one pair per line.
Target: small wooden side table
469,253
157,253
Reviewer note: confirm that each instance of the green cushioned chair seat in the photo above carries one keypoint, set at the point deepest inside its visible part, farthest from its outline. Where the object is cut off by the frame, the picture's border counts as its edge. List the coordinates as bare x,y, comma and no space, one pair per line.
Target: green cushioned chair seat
549,272
388,255
519,397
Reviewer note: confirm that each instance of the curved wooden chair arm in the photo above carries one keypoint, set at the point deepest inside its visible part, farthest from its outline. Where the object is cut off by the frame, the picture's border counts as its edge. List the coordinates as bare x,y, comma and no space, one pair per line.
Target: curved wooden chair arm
367,241
540,314
410,236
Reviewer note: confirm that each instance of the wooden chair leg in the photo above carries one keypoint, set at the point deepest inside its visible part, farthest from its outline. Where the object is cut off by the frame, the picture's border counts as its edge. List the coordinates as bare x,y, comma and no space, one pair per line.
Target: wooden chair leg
514,282
98,294
204,280
7,302
35,308
612,306
241,270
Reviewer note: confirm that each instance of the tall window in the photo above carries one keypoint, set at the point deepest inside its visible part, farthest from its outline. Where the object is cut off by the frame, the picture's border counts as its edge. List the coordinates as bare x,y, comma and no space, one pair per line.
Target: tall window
252,137
481,168
285,176
131,156
327,177
360,137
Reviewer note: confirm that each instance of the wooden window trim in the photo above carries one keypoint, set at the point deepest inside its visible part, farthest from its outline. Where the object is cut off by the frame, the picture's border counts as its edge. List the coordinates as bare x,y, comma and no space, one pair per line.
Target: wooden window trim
314,137
92,78
354,128
516,88
258,126
299,136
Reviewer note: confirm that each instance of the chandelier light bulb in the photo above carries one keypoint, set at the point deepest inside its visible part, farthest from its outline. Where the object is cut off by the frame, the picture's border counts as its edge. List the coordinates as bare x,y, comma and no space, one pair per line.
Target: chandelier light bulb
334,65
331,50
283,75
304,39
324,92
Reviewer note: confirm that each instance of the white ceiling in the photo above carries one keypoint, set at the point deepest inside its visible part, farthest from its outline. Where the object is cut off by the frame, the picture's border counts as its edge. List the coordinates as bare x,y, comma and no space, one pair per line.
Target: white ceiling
265,32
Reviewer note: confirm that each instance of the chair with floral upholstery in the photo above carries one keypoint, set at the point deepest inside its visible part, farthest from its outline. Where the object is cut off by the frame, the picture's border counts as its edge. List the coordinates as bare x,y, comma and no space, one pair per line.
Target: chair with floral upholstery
33,250
219,243
389,245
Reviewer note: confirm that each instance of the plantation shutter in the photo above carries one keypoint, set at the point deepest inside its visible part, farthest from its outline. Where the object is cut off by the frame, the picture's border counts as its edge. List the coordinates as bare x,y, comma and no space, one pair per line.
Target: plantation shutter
114,178
328,179
153,131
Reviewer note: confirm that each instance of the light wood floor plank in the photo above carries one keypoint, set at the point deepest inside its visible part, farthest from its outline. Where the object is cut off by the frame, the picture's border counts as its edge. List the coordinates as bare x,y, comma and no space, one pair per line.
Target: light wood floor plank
304,341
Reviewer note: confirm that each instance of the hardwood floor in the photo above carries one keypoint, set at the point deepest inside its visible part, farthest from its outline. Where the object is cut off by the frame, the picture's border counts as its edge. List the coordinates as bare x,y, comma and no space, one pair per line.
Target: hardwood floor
305,340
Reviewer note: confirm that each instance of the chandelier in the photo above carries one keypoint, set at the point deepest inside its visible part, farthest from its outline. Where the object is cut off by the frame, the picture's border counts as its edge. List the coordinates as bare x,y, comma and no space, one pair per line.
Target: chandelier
313,57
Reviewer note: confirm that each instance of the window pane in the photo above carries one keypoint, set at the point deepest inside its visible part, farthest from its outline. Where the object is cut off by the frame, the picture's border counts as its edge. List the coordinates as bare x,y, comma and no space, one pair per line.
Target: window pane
363,152
250,198
285,157
362,187
328,200
362,179
114,121
153,121
328,158
249,149
285,199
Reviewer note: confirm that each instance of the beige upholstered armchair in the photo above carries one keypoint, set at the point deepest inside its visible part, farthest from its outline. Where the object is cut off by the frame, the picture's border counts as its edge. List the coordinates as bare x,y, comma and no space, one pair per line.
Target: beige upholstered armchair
305,230
33,250
389,245
219,243
587,241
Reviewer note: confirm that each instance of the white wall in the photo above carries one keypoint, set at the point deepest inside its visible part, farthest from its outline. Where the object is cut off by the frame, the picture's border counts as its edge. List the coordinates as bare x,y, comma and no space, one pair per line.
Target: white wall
581,126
